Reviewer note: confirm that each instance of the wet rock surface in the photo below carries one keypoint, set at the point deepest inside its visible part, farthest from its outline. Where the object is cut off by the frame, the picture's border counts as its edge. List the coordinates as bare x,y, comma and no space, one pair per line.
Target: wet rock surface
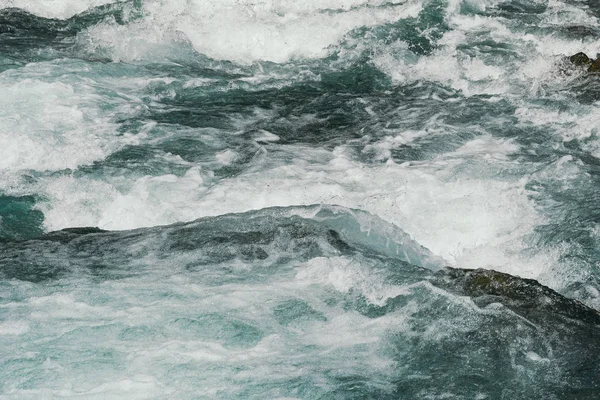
595,67
565,327
582,60
526,297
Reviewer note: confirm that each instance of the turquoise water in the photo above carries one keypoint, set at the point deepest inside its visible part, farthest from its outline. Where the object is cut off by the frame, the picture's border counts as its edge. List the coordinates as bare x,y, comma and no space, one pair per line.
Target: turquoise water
259,199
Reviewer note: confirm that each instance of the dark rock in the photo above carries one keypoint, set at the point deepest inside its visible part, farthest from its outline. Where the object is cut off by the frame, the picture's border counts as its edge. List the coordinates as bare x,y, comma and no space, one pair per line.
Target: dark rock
595,67
526,297
86,230
580,59
66,235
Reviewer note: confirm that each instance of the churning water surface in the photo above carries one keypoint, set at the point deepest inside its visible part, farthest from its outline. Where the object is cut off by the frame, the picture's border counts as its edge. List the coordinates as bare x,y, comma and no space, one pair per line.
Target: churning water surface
258,199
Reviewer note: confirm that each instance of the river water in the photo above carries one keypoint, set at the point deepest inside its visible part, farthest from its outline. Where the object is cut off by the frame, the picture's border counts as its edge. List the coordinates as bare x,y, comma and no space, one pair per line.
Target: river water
271,190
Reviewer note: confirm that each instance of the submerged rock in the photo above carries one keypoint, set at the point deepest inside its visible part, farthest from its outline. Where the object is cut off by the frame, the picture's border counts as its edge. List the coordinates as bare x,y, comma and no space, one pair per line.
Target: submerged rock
580,32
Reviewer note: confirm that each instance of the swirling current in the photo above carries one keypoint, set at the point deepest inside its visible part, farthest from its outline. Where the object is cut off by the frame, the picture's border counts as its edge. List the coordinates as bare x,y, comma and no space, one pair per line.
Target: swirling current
326,199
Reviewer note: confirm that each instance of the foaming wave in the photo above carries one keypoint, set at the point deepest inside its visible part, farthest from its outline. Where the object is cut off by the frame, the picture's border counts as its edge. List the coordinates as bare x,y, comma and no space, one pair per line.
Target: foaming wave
51,123
264,30
439,203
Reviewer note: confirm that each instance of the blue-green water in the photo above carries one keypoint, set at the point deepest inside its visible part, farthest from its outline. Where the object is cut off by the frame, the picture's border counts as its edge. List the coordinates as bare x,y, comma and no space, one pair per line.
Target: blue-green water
258,199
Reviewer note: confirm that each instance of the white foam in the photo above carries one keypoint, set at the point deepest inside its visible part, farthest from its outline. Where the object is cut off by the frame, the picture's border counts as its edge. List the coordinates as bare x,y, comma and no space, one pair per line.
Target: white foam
462,72
150,201
50,119
226,157
136,387
344,274
563,13
13,327
579,122
486,147
264,30
66,306
49,126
